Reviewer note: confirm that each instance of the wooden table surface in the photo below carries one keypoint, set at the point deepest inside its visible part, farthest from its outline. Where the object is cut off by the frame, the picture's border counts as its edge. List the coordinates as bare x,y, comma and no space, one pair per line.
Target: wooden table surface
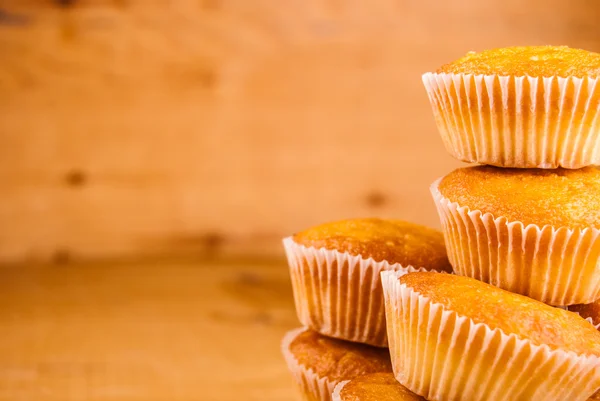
160,330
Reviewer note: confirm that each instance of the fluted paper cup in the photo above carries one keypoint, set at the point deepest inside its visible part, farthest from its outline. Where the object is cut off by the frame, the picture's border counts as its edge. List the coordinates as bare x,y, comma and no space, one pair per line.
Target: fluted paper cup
338,388
338,294
576,309
555,265
446,357
523,122
312,387
590,320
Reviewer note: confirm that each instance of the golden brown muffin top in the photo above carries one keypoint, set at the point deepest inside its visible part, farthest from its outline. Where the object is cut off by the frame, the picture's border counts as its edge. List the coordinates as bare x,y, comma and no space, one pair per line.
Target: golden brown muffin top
511,313
392,240
560,198
535,61
588,310
377,387
336,359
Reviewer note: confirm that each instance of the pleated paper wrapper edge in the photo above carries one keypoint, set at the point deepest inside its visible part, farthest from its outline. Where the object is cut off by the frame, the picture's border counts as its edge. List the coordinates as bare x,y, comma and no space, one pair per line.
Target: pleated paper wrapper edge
338,294
555,265
311,386
337,390
445,357
508,121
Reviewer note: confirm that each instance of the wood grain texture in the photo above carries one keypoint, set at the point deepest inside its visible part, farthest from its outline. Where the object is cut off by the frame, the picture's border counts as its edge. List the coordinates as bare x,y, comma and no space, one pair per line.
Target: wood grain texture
163,330
218,126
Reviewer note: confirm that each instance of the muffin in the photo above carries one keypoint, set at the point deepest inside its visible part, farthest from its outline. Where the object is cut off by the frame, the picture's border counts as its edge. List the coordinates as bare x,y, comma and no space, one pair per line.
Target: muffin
454,338
318,363
374,387
590,312
534,106
530,231
335,270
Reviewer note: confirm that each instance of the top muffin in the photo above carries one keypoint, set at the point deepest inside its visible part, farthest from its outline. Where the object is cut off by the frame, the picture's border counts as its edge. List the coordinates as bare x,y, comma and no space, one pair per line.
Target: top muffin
534,61
394,241
521,107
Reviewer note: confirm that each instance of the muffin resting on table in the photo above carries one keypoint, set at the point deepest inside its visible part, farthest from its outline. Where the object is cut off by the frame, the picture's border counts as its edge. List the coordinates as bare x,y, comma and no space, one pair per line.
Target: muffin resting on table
534,106
590,312
335,270
530,231
318,363
374,387
454,338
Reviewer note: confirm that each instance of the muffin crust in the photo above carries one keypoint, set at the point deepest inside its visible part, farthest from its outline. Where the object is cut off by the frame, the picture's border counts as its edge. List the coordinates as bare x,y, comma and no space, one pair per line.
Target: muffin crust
377,387
392,240
534,61
560,198
591,310
336,359
509,312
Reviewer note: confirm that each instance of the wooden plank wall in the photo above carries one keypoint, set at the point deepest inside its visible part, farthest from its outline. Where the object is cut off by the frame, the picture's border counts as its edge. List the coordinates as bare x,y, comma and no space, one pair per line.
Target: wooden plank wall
215,127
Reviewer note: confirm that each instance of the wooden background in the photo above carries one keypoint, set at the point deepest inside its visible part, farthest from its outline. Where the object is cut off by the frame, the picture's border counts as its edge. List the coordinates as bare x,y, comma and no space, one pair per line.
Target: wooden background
214,127
166,330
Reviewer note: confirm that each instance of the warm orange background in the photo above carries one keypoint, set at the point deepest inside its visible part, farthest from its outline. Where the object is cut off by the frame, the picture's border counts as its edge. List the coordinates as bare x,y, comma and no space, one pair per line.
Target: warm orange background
134,127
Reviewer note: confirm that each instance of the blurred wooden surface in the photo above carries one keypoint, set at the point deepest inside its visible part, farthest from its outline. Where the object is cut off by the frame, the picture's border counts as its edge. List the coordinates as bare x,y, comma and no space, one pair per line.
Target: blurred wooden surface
170,330
214,127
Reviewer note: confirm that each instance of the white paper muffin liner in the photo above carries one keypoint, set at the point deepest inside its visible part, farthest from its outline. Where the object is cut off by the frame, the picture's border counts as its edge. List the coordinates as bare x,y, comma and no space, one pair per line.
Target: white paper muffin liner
509,121
597,326
338,294
337,390
311,386
588,319
446,357
558,266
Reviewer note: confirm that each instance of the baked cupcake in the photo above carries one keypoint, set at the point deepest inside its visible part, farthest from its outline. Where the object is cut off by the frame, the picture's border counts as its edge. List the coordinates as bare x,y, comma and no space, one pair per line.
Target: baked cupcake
318,363
374,387
533,232
335,270
534,106
454,338
590,312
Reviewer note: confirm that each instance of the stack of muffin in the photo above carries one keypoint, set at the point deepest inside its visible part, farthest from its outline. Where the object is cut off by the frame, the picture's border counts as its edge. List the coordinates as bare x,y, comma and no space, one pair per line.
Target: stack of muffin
335,270
522,235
